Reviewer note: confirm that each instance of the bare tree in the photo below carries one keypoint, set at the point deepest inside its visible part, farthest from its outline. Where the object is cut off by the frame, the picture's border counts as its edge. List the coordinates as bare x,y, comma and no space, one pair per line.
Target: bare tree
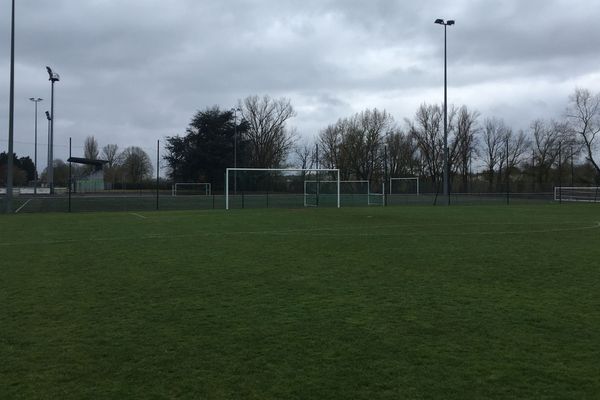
110,153
365,142
513,149
583,115
466,143
546,140
268,137
332,150
305,155
90,148
494,134
355,144
136,164
402,154
427,132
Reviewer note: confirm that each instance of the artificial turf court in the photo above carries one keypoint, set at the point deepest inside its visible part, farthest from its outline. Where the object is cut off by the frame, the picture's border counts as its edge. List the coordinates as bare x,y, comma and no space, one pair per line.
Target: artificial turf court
357,303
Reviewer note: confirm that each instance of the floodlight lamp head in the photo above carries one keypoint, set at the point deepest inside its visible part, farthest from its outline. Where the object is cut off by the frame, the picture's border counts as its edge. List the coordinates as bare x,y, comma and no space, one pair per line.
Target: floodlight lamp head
450,22
53,76
48,116
439,21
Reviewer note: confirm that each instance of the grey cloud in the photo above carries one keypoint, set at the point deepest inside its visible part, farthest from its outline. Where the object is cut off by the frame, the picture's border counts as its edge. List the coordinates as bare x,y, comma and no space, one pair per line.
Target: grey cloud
135,71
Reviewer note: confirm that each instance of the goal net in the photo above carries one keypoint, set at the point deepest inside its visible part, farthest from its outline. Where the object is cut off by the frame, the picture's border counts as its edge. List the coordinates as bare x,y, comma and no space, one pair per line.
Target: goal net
407,186
191,189
352,192
589,194
280,187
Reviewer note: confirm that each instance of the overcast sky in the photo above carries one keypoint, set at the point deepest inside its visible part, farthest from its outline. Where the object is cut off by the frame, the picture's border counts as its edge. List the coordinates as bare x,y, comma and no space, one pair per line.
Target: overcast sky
134,71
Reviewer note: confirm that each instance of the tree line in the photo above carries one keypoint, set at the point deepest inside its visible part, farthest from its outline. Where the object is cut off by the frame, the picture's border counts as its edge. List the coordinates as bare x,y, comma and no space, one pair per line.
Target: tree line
132,165
370,145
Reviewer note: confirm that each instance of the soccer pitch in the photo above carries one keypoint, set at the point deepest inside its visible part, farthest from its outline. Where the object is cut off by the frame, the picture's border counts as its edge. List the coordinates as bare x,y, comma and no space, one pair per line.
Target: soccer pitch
358,303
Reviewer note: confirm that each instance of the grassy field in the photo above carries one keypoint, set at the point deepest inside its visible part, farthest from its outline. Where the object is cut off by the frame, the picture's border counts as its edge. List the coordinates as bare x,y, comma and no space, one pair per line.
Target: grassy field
359,303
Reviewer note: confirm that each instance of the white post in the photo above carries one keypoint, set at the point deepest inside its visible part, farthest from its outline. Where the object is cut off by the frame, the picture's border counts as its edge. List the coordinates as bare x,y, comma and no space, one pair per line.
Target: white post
227,189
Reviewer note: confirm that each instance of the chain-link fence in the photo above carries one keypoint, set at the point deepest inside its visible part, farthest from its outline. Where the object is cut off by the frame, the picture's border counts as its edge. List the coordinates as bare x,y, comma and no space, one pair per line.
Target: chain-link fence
136,178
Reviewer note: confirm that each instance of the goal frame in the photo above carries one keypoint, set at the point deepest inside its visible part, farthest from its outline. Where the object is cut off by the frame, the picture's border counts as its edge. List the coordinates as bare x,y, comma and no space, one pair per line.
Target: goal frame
339,182
207,185
559,196
412,178
317,170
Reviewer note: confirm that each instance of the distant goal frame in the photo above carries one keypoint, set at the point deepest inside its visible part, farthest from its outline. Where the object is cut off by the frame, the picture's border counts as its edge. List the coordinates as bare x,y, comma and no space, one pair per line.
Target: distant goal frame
310,170
560,196
368,194
408,178
207,185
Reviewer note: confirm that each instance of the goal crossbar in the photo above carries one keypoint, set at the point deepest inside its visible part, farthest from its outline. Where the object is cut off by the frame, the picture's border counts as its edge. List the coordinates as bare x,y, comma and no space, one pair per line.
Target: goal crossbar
317,170
412,178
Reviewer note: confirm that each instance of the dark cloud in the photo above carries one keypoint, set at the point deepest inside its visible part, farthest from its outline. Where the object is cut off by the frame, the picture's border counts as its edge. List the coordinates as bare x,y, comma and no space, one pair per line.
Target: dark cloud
135,71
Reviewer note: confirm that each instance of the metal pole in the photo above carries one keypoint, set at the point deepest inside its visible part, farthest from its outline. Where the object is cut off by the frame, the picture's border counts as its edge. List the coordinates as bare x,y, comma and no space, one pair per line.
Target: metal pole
35,175
235,110
318,175
507,175
572,167
70,175
338,189
533,174
35,179
11,111
560,172
48,152
446,174
50,172
385,173
227,189
157,170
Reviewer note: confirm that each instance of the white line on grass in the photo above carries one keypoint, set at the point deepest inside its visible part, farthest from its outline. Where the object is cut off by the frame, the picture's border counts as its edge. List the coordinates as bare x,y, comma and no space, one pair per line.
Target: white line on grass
138,215
22,206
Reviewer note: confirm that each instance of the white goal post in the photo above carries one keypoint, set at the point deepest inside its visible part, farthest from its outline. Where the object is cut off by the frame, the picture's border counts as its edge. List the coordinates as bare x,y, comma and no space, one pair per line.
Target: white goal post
416,179
588,194
202,187
328,181
303,170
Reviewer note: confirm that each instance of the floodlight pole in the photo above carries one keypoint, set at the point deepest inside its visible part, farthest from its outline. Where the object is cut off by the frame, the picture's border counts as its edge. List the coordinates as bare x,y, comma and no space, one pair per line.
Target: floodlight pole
35,177
49,118
11,114
446,167
53,77
235,110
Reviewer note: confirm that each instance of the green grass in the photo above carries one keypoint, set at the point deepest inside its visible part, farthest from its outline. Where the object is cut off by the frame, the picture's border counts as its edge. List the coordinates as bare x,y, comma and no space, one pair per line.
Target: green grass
357,303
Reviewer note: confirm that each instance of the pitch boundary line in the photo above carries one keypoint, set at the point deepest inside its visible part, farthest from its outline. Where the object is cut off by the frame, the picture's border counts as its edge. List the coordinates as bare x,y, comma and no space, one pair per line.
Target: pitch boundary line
22,206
